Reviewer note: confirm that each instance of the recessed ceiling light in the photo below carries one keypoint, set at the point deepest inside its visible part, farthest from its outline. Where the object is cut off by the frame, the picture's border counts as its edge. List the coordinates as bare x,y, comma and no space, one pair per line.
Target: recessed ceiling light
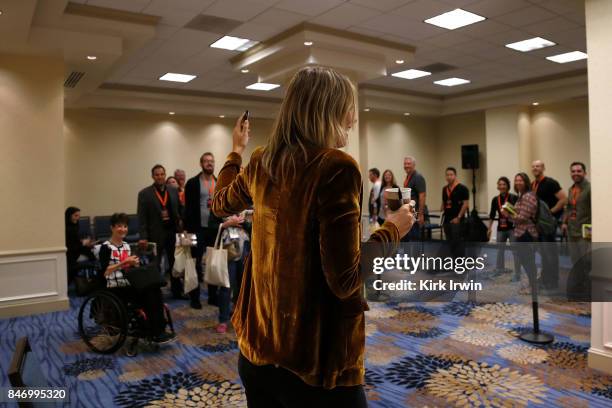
366,110
233,43
399,61
92,57
411,74
406,113
0,12
173,77
221,116
535,103
568,57
308,43
262,86
452,82
455,19
170,113
244,71
531,44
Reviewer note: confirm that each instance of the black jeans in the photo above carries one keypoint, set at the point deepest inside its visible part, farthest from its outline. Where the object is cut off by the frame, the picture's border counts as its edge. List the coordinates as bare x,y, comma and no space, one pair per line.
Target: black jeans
206,238
150,299
166,245
455,237
274,387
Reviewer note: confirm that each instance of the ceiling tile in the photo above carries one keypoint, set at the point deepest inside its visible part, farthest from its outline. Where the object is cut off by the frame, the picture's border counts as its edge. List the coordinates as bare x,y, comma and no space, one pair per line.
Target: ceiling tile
310,7
185,43
177,18
575,39
525,16
345,15
382,5
493,8
484,28
397,25
135,6
423,9
160,7
551,27
278,18
241,10
448,39
254,31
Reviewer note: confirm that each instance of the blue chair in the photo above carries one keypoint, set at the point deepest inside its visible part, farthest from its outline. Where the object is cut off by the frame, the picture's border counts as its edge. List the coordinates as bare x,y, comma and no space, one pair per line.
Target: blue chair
133,227
102,227
85,227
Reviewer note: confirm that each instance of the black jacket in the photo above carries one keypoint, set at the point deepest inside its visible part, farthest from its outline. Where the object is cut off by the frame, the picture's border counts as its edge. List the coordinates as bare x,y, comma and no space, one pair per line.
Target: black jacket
192,207
149,214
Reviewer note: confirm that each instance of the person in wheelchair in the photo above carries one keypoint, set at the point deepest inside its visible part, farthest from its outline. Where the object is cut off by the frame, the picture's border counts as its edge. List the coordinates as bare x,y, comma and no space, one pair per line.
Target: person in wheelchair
115,262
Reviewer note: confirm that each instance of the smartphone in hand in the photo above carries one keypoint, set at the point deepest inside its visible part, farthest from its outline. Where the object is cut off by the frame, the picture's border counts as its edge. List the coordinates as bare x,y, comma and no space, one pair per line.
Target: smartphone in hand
246,116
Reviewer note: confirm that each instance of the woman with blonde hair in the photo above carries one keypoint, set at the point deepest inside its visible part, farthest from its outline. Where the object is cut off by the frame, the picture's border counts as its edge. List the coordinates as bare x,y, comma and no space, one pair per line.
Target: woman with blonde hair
300,315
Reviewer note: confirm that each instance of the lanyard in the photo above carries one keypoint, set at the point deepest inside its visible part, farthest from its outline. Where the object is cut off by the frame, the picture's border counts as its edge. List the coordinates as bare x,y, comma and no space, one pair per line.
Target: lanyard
449,191
499,203
407,181
574,196
536,184
211,186
162,201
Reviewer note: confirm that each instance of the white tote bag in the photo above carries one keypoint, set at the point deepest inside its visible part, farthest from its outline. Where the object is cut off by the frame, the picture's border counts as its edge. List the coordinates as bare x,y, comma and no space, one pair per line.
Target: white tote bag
216,264
180,257
191,276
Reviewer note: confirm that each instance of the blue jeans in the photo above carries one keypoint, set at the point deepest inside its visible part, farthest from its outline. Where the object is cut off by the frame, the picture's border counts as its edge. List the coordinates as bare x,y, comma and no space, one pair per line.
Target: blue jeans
226,295
502,238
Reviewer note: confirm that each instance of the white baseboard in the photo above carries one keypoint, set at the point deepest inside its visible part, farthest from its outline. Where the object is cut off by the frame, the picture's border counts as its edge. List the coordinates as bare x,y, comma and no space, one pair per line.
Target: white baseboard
33,281
600,360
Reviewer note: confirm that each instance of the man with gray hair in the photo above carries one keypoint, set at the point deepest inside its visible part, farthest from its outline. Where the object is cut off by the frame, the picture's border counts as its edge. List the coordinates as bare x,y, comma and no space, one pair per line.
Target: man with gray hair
416,182
181,179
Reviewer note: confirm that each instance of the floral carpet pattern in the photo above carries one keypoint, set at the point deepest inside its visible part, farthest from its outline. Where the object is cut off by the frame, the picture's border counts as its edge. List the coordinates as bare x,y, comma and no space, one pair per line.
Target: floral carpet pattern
463,354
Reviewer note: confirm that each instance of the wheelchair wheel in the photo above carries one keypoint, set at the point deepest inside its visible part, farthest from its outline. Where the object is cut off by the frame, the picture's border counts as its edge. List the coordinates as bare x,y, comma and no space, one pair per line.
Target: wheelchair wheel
103,322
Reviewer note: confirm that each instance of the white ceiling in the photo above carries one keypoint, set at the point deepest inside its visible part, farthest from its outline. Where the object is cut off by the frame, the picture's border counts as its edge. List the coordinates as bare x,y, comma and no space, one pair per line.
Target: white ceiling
477,51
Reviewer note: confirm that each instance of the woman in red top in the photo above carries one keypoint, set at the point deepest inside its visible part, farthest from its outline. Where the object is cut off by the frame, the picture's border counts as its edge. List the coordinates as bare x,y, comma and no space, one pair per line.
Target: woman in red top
525,231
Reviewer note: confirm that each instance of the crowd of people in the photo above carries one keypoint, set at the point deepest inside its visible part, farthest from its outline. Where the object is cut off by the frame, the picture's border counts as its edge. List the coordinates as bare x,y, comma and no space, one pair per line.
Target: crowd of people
168,206
532,200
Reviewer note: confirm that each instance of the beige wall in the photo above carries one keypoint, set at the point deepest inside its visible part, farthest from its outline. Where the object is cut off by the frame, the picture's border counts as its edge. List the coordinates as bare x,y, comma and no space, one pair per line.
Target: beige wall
103,145
560,135
110,153
32,152
452,132
390,138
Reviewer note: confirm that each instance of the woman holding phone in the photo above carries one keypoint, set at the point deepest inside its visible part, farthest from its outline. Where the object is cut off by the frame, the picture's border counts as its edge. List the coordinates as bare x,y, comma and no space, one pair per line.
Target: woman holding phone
300,314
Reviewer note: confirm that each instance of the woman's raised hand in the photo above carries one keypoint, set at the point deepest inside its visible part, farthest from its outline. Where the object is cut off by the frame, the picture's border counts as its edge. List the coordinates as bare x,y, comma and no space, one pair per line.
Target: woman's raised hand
240,135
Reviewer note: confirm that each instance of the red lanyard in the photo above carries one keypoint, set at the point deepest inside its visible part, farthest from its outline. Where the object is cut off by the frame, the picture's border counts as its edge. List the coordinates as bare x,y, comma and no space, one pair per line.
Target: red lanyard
574,196
535,184
164,200
449,191
211,187
407,181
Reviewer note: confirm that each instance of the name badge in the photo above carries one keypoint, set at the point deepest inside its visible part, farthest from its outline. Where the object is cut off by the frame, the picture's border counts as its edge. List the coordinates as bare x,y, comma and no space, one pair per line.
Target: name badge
164,214
503,223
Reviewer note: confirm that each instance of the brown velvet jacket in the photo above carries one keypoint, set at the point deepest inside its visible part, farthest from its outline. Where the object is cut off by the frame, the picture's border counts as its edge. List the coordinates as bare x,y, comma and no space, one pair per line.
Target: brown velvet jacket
301,303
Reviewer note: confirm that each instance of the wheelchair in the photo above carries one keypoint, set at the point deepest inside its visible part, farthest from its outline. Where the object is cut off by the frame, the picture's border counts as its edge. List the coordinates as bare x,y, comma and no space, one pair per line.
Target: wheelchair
105,321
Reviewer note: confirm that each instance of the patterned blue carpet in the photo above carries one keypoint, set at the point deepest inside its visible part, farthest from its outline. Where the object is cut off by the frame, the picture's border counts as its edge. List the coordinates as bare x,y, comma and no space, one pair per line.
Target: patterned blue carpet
433,354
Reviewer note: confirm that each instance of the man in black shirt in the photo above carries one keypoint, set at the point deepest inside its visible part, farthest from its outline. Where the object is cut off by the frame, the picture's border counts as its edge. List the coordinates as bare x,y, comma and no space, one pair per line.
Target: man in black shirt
418,191
548,190
455,204
158,216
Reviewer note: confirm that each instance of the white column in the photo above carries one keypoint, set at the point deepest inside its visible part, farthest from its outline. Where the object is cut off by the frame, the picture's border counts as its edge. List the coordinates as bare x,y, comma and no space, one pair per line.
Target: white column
32,252
599,49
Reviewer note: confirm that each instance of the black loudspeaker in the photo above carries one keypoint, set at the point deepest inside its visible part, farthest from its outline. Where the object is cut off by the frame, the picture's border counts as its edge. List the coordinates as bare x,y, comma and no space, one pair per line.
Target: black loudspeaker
469,156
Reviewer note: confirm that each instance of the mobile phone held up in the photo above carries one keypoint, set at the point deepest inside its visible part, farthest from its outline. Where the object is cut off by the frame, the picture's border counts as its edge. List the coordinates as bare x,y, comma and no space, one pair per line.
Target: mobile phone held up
246,116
